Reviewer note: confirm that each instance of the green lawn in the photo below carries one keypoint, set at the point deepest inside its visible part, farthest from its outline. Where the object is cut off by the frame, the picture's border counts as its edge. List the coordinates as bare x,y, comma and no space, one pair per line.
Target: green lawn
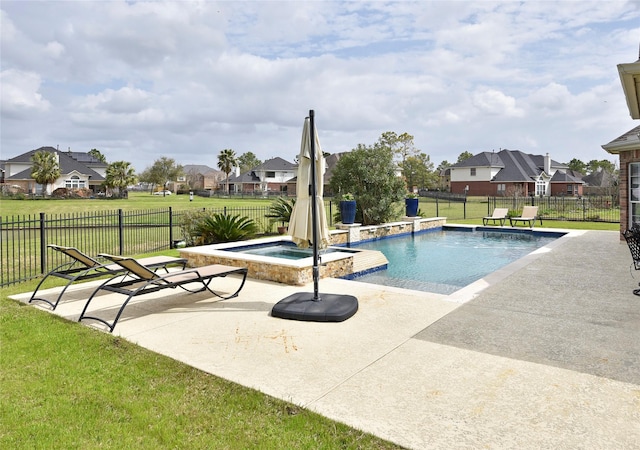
136,201
66,385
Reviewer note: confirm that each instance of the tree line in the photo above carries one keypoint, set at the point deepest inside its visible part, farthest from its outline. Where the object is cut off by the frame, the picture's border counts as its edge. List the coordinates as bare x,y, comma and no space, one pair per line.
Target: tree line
360,169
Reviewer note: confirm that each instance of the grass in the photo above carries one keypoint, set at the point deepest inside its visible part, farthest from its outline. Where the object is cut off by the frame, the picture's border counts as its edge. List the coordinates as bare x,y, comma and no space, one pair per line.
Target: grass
66,385
136,201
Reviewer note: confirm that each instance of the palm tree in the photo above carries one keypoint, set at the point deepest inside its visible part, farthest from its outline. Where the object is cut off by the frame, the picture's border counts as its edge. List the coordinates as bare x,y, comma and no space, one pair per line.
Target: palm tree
46,168
227,160
119,175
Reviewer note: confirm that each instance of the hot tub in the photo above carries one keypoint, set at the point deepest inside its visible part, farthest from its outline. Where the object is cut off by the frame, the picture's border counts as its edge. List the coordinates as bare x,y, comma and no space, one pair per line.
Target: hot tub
278,259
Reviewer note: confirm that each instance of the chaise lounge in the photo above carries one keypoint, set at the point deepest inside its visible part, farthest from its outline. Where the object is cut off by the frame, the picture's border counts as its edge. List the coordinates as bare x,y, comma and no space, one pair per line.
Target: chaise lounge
499,214
84,267
529,215
140,279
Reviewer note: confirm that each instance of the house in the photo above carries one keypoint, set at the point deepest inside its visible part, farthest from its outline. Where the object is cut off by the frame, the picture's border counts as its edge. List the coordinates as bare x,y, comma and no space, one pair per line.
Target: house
198,176
77,171
271,176
600,182
512,172
627,147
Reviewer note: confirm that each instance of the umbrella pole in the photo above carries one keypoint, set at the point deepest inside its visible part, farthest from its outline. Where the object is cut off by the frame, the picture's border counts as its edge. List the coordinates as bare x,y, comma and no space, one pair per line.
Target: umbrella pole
314,210
306,305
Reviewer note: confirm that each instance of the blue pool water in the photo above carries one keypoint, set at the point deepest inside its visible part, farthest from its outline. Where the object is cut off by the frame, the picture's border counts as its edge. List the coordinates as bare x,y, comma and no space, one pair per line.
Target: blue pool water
285,250
445,261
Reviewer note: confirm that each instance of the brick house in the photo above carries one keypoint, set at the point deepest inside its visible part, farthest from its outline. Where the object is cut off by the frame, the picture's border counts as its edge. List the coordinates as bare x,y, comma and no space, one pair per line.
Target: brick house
512,172
198,176
627,147
78,170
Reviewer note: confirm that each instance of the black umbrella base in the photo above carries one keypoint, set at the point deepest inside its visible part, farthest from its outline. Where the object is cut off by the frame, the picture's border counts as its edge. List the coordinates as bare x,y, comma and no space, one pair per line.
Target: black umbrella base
302,306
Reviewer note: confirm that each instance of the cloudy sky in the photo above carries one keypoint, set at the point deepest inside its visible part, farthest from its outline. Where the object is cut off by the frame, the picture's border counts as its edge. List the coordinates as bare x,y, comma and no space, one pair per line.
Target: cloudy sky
186,79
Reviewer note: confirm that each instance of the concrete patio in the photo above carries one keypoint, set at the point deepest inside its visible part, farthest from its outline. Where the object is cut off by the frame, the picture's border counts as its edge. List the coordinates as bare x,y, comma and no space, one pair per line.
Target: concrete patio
544,353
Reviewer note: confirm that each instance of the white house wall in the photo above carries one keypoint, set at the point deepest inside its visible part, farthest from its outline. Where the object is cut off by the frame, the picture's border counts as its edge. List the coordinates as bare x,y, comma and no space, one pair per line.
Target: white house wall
464,174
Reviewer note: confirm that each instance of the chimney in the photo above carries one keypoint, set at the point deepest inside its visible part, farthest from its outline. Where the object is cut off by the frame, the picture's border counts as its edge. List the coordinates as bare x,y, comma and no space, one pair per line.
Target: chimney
547,164
237,171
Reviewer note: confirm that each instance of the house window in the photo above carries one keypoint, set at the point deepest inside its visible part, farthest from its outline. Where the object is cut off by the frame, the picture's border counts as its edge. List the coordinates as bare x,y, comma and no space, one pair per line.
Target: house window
473,171
541,187
634,193
271,174
570,189
74,183
501,188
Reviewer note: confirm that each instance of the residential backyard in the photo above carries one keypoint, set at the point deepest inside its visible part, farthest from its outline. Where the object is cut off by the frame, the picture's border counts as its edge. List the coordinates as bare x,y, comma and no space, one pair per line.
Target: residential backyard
67,385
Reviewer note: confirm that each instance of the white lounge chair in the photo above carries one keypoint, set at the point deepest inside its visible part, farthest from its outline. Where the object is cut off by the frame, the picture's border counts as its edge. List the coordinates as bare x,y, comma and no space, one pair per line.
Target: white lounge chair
499,214
529,215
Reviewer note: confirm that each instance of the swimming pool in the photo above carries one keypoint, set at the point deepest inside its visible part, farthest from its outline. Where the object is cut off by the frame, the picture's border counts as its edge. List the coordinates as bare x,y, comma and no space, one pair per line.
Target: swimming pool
447,260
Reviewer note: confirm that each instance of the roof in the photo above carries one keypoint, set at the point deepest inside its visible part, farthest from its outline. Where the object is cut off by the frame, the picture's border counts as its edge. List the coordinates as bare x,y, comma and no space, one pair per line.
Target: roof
514,165
247,177
86,158
628,141
484,159
276,163
67,165
567,177
600,178
200,169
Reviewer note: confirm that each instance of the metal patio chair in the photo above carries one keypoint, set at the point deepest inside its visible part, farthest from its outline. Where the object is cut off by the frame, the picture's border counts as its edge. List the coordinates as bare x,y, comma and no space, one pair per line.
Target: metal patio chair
632,236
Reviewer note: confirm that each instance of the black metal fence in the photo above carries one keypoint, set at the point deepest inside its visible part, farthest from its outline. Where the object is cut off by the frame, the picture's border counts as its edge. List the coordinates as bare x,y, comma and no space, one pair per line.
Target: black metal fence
23,239
582,209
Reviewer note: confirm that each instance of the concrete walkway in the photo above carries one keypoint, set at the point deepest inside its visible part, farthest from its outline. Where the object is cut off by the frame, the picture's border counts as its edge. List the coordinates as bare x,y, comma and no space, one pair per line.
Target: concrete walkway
544,353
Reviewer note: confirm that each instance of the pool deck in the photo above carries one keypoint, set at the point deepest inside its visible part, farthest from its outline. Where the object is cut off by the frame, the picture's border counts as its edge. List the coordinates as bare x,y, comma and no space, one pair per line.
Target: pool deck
544,353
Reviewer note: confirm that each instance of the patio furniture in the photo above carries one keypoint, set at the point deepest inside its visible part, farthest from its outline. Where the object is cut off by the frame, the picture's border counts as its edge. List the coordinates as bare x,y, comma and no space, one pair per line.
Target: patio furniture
84,267
499,214
632,236
529,215
140,279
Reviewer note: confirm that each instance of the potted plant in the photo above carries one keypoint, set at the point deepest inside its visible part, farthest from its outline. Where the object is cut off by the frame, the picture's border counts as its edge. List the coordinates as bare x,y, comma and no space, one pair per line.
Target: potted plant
280,211
411,204
347,209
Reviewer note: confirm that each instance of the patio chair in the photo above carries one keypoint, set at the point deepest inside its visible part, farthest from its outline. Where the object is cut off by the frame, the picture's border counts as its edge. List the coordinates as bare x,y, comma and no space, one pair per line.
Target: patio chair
529,215
140,279
499,214
84,267
632,236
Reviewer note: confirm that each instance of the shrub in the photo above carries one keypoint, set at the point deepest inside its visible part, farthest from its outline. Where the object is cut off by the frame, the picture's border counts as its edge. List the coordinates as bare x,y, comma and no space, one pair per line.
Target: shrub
280,210
201,228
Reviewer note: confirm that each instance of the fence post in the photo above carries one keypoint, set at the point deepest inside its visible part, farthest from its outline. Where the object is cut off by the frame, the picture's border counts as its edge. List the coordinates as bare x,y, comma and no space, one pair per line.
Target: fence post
330,212
464,207
437,208
121,232
43,245
170,227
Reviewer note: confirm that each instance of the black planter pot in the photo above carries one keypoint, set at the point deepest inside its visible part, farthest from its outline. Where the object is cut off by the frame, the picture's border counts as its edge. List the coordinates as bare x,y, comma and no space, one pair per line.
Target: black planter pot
411,207
348,211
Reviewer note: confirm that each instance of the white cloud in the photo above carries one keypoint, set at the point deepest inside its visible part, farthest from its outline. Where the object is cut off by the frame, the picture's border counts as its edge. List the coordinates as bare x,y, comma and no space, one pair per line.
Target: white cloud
20,96
494,102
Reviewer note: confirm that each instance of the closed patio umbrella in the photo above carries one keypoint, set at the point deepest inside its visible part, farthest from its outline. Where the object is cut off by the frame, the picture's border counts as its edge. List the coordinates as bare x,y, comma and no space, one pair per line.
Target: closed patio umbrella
302,215
309,223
